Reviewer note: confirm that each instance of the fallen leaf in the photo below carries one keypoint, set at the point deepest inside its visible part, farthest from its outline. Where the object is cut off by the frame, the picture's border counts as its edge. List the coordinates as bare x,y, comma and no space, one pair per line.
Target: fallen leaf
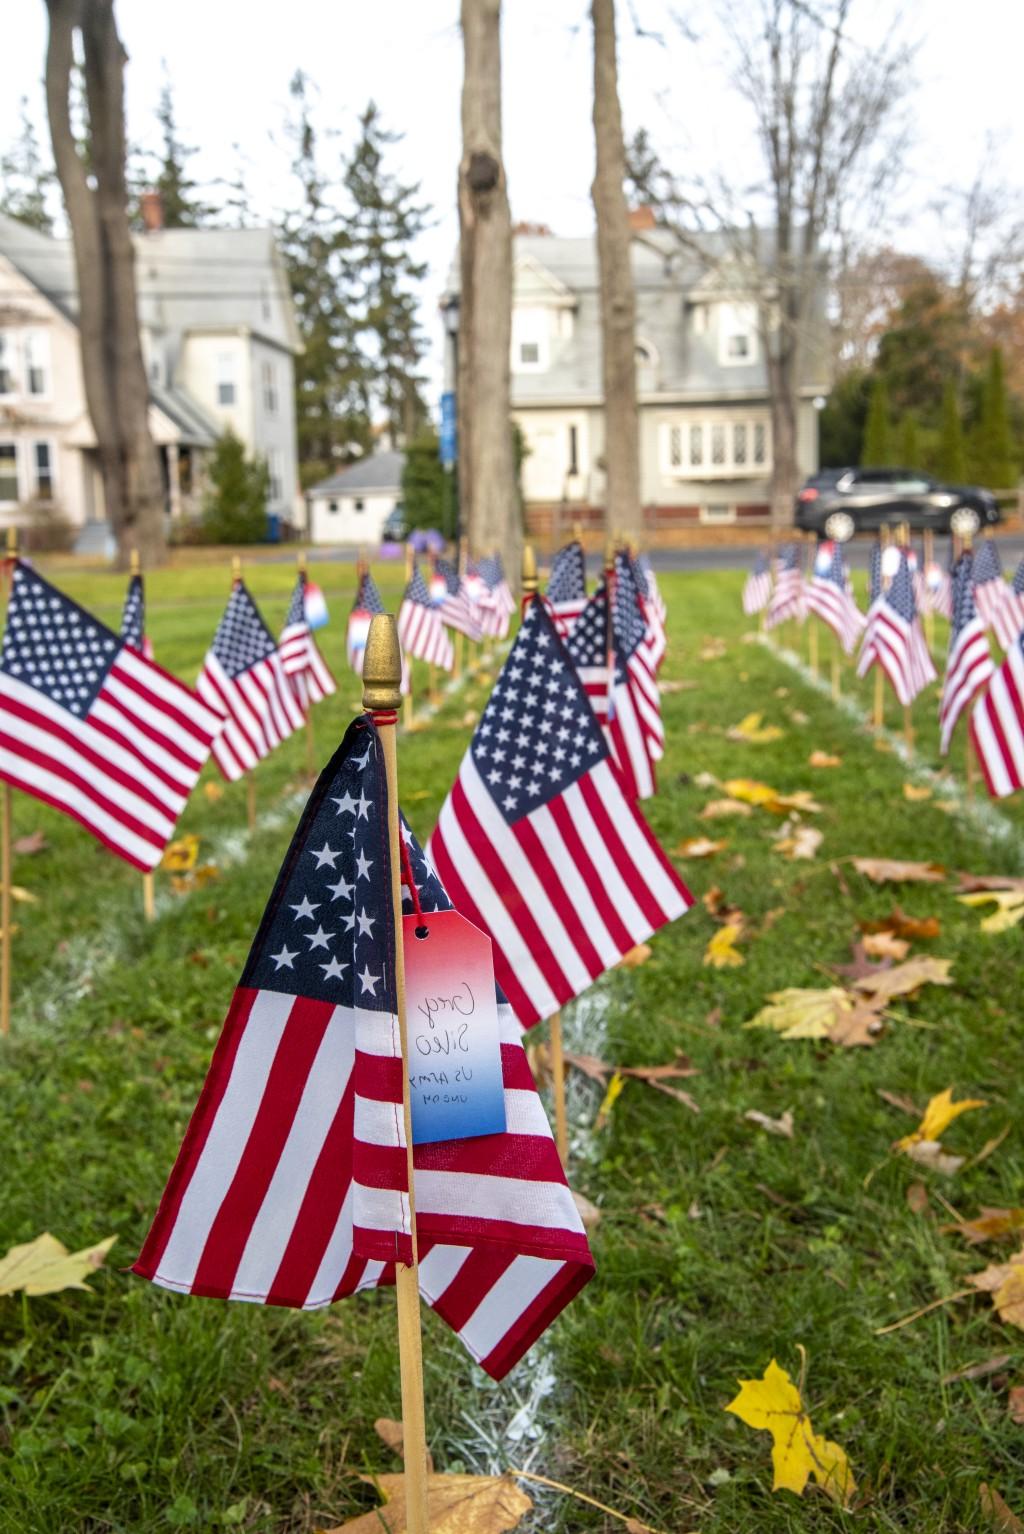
751,730
917,1198
25,846
989,1225
824,759
886,945
897,1100
929,1153
711,649
656,1076
914,794
997,1512
860,1026
782,1126
698,847
717,809
903,979
45,1266
803,1014
939,1114
916,928
181,855
978,1371
773,1405
705,780
183,884
456,1504
761,794
802,800
969,882
22,896
861,964
1015,1405
801,844
684,685
889,871
798,716
1005,1282
721,952
213,791
1009,908
417,793
588,1212
611,1097
393,1434
634,957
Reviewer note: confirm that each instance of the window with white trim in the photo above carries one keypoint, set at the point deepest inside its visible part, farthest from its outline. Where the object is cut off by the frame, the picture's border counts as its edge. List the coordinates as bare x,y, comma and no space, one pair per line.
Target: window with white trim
9,471
737,334
275,488
42,470
531,331
37,363
714,446
225,378
269,373
6,362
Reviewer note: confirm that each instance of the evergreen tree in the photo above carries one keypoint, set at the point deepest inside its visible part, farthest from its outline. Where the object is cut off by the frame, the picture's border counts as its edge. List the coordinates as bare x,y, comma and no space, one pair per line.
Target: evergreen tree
27,179
235,505
951,463
877,450
386,219
427,487
995,465
910,443
841,428
332,380
183,208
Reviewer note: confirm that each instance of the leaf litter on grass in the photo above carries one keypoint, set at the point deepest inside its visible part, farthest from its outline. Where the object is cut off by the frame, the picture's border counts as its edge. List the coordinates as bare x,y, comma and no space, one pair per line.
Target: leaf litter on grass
773,1404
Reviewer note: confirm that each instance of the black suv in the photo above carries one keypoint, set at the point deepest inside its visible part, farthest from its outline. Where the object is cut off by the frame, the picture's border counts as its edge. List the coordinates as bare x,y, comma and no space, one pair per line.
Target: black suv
836,503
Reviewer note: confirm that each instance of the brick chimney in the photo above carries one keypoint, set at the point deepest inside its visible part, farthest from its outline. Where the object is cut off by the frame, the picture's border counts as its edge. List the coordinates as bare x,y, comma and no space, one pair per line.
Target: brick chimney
642,218
151,206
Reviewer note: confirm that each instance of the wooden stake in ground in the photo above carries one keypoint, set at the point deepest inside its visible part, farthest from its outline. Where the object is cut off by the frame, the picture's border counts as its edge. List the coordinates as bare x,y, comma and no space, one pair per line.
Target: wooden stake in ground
382,680
555,1020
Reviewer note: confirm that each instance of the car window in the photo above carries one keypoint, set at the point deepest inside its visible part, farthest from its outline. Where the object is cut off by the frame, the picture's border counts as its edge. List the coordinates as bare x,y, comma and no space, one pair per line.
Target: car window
911,484
873,477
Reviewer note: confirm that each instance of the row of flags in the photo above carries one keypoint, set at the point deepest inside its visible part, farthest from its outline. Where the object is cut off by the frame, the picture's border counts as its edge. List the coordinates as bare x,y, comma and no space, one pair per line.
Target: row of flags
976,598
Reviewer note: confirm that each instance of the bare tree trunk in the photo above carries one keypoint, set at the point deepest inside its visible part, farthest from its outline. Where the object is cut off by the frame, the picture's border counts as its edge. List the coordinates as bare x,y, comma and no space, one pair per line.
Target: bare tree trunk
489,496
618,299
113,371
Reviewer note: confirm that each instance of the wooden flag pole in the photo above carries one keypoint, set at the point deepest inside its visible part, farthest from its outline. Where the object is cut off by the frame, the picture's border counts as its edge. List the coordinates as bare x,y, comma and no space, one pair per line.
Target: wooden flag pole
148,890
407,699
310,737
382,679
555,1046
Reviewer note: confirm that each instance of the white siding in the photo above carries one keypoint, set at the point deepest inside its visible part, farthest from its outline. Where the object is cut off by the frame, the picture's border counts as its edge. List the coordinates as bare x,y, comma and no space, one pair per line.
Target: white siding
353,518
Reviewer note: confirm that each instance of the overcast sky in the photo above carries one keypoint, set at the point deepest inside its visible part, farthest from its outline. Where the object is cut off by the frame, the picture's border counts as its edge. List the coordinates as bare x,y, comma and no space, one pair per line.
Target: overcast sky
230,61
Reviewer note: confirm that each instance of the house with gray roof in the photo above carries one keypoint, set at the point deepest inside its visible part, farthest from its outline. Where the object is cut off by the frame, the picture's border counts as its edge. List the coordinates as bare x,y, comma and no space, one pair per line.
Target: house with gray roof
219,340
702,384
352,505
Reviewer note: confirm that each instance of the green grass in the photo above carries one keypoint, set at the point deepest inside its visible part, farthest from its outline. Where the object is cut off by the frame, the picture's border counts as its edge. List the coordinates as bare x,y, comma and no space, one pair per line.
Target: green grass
719,1246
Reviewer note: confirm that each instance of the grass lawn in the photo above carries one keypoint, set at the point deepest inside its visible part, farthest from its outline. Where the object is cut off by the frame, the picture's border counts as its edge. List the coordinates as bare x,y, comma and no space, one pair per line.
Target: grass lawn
720,1246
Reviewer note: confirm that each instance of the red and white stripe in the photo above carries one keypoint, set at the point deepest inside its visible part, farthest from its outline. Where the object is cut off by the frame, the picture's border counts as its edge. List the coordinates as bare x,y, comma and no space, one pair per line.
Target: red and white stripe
291,1185
989,597
422,634
259,708
899,648
787,597
968,670
126,769
302,662
563,892
564,614
997,726
1007,618
838,609
623,730
458,612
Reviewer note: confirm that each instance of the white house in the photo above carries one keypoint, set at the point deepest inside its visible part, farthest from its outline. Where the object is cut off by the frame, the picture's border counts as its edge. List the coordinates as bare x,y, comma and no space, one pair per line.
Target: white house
219,340
353,505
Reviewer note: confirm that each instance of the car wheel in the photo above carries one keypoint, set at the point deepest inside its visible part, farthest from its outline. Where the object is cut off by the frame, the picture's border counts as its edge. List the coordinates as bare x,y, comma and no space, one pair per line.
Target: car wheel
964,521
840,526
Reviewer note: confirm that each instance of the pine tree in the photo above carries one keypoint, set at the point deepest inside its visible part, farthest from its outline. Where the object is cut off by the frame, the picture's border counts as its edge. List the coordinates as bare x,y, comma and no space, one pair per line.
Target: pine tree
386,219
993,449
183,208
910,443
427,488
28,180
951,463
235,505
877,449
332,380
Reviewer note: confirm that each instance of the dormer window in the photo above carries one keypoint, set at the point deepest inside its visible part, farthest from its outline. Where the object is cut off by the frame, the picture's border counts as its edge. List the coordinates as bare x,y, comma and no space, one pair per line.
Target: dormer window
737,334
531,333
529,353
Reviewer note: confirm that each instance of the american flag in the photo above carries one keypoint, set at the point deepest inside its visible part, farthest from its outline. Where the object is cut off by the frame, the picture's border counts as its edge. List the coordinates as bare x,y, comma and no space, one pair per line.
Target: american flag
539,842
989,587
1008,618
997,725
291,1184
612,699
936,590
893,639
643,650
300,653
631,586
567,587
875,572
757,588
494,601
787,598
649,587
969,665
420,628
91,727
133,618
828,596
244,681
457,611
366,606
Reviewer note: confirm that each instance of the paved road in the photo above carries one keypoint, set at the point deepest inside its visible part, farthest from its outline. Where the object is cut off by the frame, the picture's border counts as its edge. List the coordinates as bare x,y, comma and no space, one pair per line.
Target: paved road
732,557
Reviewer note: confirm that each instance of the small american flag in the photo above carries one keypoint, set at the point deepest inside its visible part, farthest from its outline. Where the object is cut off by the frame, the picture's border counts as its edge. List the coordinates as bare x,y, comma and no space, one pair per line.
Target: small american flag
990,589
757,588
133,618
494,601
787,598
631,589
875,572
244,681
643,650
291,1185
829,597
91,727
648,583
300,653
893,639
539,842
969,665
420,628
612,697
1008,618
457,611
567,587
365,607
936,590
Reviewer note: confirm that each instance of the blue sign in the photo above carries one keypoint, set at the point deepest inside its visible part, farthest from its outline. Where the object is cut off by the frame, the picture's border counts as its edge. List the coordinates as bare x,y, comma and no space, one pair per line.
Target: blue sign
449,444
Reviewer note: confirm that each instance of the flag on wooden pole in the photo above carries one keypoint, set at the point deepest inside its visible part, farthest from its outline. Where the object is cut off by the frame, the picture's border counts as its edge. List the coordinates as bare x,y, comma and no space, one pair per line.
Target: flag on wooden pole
989,586
133,618
300,654
893,639
787,596
366,604
757,588
1008,616
456,609
969,666
420,628
567,587
613,697
829,597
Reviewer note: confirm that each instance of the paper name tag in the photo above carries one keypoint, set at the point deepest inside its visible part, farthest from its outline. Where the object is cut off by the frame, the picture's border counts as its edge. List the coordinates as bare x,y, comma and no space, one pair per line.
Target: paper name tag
455,1081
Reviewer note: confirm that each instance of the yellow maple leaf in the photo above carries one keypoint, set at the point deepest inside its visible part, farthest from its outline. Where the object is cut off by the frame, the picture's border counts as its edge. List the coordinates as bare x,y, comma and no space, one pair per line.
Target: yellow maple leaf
721,952
750,791
773,1405
803,1014
939,1114
181,855
609,1100
45,1266
751,729
914,794
1009,908
1005,1282
456,1504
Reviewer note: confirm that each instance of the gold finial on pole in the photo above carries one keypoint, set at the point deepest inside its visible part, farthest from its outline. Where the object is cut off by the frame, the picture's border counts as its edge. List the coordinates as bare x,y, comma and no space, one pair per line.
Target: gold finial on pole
609,552
530,582
577,530
134,567
236,569
12,543
302,561
382,665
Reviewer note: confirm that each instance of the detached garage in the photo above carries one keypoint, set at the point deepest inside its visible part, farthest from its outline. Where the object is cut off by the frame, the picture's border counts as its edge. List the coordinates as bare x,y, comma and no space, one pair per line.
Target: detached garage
353,505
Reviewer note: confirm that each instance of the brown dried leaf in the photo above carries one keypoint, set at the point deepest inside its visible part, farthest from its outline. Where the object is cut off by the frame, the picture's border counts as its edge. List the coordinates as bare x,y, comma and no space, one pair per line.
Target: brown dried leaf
456,1504
1015,1405
717,809
917,1198
970,882
683,685
998,1514
25,846
801,844
885,945
698,847
914,794
916,928
860,965
898,1100
588,1212
929,1153
904,979
1005,1282
782,1126
989,1225
824,759
862,1026
978,1371
393,1434
636,956
890,871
